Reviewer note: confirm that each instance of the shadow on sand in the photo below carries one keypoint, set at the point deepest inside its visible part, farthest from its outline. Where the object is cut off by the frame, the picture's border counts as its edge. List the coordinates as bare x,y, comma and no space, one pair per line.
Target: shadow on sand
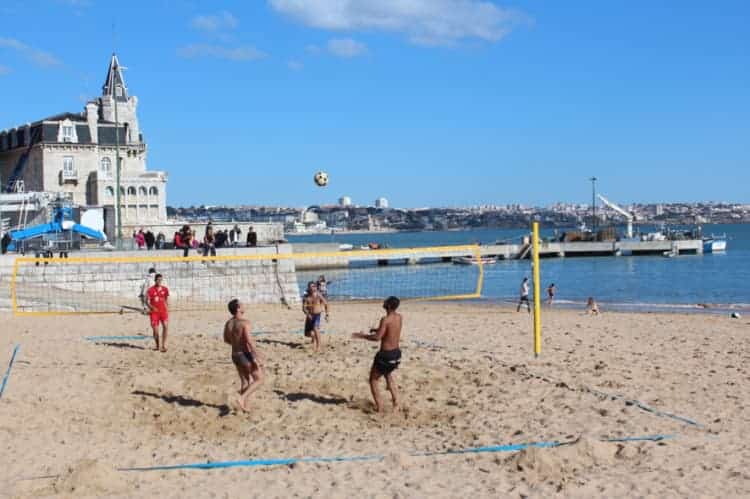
295,346
318,399
185,401
120,345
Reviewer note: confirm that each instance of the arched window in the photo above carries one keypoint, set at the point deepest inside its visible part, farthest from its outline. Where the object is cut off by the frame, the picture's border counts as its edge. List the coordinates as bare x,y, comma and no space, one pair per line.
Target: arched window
142,191
106,167
131,191
153,191
110,191
122,191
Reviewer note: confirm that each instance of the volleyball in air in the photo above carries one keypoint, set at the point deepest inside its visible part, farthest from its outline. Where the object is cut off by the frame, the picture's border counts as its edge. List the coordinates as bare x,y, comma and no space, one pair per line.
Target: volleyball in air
321,179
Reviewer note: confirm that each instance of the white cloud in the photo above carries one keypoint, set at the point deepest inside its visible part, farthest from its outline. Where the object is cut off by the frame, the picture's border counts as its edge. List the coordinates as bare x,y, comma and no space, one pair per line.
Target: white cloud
295,65
244,53
346,47
312,49
425,22
4,70
217,22
38,57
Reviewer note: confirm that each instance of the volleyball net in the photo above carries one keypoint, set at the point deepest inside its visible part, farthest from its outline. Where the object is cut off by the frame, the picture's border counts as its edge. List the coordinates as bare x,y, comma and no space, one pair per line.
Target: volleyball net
112,284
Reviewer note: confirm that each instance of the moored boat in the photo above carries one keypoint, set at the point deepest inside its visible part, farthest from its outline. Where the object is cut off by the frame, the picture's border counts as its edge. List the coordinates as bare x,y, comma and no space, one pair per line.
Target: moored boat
472,260
714,244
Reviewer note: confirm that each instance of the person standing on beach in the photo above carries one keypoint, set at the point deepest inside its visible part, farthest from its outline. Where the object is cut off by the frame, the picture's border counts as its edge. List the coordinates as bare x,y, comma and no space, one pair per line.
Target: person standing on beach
158,297
524,295
323,286
551,290
313,305
245,355
388,358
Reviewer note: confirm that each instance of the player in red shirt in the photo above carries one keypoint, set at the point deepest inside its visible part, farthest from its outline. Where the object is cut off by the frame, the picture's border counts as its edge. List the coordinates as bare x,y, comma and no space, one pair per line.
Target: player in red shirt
157,303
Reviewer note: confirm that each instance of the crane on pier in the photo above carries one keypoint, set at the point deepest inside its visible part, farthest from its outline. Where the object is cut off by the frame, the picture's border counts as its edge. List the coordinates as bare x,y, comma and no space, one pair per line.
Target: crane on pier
629,217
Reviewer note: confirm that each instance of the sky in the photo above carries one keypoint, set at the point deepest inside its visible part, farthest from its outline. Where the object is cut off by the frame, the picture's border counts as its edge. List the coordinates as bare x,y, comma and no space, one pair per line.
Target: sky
424,102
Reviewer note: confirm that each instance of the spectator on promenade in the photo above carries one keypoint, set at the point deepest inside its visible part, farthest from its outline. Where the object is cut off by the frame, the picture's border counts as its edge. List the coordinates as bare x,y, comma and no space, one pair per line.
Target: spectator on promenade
252,238
140,239
150,239
160,240
234,235
185,240
221,238
209,242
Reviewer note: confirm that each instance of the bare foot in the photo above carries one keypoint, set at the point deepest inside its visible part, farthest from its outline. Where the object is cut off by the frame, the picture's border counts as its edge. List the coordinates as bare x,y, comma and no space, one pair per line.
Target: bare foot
163,349
241,403
156,349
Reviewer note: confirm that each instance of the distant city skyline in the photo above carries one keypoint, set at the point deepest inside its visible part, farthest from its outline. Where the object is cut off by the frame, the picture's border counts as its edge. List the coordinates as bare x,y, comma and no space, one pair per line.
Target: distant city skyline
453,103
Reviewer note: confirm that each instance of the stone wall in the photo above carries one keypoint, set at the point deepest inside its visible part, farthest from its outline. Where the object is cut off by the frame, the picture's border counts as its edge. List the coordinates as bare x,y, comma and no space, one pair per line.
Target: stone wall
110,285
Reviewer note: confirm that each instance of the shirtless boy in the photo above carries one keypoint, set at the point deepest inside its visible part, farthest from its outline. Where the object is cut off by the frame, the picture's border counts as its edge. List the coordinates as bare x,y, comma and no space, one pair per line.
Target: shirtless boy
158,297
313,306
388,358
244,353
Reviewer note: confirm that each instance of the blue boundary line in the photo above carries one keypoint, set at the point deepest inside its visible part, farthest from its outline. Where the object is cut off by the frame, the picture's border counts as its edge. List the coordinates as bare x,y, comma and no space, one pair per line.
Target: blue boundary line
10,365
470,450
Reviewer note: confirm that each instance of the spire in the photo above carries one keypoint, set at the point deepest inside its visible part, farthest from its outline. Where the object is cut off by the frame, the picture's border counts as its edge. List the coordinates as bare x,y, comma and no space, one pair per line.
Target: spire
114,79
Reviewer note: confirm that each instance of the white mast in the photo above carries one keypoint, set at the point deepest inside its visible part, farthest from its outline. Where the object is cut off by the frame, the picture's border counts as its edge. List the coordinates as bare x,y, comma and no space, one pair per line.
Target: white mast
628,216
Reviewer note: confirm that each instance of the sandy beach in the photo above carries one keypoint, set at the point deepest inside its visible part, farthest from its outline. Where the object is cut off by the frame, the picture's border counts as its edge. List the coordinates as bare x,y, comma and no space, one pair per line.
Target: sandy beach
74,411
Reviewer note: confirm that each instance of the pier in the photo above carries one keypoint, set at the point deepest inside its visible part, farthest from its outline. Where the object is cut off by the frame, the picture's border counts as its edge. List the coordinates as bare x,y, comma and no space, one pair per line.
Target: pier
547,249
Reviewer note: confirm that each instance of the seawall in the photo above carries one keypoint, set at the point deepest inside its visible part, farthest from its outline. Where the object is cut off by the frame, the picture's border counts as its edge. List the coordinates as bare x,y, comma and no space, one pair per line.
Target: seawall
111,281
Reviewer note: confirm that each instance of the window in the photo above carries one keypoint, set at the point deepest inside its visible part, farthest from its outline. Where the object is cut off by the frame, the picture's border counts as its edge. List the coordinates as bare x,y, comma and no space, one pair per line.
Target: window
109,190
153,191
106,167
68,166
67,133
142,191
131,191
118,91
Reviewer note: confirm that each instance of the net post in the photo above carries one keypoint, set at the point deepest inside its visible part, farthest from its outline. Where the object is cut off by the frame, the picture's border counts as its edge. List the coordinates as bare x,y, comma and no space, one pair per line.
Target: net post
480,277
537,297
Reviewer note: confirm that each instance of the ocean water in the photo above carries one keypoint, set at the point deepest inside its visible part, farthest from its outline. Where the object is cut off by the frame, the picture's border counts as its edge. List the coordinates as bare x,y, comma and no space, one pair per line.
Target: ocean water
721,280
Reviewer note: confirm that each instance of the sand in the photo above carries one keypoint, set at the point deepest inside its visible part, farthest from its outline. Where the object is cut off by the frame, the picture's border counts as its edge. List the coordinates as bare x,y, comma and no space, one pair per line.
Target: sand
75,411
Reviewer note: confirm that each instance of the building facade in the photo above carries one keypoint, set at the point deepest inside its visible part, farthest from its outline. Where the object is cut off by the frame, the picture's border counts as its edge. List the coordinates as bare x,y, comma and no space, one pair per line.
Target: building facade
77,154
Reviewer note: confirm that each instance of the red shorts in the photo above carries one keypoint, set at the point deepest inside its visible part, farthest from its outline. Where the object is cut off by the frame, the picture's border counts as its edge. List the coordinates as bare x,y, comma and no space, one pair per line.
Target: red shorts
159,316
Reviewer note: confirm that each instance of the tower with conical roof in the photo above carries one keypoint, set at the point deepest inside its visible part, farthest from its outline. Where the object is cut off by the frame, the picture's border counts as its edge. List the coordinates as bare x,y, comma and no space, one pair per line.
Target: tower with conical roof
115,89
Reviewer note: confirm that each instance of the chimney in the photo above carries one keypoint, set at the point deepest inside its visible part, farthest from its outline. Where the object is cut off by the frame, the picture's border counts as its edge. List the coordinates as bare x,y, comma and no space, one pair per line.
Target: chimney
92,117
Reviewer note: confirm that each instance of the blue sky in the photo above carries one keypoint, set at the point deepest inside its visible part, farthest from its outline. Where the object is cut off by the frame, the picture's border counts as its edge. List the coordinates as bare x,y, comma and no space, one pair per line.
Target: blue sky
426,102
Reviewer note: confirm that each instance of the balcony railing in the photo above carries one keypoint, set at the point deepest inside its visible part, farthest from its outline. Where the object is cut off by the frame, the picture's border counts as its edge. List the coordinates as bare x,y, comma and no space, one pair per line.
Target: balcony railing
69,176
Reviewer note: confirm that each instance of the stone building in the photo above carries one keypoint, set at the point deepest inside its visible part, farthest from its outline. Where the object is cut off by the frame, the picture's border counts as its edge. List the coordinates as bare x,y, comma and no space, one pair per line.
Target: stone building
76,154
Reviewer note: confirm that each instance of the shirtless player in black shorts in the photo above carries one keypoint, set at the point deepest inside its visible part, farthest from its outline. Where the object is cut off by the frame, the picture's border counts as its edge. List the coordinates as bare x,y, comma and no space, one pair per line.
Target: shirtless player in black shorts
244,354
388,358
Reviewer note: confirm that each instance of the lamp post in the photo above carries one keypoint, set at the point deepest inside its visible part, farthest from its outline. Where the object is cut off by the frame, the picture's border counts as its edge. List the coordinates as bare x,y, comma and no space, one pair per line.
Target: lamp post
593,204
118,215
